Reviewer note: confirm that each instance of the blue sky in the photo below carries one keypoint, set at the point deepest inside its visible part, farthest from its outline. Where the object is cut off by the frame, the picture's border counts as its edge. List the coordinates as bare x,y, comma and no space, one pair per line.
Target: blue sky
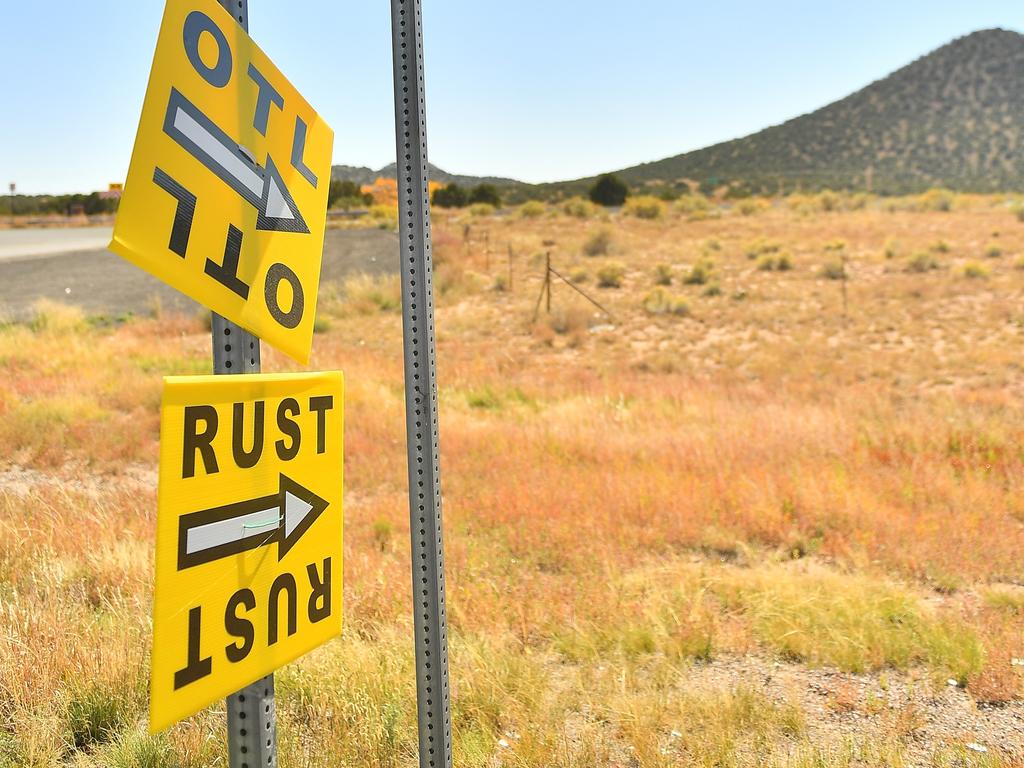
540,90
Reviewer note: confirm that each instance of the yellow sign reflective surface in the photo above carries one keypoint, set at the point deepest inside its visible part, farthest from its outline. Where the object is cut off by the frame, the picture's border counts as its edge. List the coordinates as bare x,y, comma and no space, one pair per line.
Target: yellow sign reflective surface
226,195
249,532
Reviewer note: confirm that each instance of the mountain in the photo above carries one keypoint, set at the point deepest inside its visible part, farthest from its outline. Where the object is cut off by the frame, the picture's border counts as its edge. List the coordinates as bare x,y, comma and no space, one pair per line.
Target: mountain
364,175
952,118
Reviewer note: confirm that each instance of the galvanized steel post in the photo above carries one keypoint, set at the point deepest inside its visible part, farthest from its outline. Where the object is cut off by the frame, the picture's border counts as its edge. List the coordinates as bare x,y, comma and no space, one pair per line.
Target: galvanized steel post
252,730
428,592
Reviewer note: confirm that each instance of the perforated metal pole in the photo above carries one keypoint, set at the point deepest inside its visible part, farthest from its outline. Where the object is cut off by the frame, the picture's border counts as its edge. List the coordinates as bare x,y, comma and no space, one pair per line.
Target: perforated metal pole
435,731
252,730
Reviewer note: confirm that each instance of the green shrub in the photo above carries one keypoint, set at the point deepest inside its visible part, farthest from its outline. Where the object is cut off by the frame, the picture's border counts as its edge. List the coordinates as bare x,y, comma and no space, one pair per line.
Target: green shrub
663,274
828,200
598,243
834,269
712,289
485,193
579,275
781,263
699,273
936,200
922,262
858,201
801,204
645,207
481,209
695,206
532,209
975,270
386,216
579,208
891,249
347,194
610,274
609,190
450,196
939,246
750,206
761,246
993,251
660,302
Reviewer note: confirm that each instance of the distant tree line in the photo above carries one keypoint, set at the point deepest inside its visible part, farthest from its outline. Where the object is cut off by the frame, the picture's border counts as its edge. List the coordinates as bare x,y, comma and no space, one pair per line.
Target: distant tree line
66,205
347,194
454,196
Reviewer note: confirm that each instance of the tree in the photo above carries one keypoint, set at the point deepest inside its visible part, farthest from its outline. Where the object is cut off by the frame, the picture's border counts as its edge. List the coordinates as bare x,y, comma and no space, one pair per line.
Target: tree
609,190
346,192
452,196
485,193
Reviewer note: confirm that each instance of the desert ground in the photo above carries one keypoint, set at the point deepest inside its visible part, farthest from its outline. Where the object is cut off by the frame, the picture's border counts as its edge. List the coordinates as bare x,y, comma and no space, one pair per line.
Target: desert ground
760,505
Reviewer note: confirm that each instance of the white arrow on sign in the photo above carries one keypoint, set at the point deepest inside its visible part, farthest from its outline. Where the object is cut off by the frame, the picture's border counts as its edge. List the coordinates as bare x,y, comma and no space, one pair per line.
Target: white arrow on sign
234,165
222,531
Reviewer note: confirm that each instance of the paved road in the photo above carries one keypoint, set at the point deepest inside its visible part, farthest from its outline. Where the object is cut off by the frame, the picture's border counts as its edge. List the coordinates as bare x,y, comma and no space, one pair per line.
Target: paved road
22,243
71,266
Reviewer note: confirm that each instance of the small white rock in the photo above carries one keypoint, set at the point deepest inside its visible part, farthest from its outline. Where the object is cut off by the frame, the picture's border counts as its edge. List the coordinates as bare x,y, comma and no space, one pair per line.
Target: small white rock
976,747
67,290
675,734
1017,662
502,743
953,683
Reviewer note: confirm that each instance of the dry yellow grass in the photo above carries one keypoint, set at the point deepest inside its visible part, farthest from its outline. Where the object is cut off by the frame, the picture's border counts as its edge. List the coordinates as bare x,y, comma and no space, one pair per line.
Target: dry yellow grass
649,518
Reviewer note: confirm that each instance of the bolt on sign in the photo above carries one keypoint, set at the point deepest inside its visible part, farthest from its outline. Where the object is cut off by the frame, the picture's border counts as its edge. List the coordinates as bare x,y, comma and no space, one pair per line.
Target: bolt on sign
226,196
249,532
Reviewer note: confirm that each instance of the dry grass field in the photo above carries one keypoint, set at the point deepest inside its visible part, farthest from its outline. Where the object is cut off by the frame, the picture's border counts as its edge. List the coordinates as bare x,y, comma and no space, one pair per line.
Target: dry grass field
766,510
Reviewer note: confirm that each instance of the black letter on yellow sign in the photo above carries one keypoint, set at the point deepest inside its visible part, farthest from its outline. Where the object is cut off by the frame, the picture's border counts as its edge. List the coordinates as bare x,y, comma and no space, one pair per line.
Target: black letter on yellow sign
245,459
239,627
275,275
321,405
286,583
186,209
196,667
226,273
288,427
199,441
321,592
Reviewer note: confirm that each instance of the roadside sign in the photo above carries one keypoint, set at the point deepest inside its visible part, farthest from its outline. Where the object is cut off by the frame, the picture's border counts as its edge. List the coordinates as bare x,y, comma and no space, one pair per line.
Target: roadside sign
249,532
226,195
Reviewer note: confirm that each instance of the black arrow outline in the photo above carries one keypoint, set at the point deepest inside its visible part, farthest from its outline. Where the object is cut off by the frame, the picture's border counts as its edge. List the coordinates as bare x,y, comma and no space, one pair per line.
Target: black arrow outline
261,538
268,175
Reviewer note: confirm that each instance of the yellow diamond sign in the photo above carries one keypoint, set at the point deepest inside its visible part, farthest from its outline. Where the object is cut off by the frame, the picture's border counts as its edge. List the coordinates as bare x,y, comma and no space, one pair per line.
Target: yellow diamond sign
226,195
249,532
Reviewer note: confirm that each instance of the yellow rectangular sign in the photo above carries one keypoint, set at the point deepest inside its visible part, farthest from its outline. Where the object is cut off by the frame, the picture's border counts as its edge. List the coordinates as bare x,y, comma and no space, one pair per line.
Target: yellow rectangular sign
226,196
249,532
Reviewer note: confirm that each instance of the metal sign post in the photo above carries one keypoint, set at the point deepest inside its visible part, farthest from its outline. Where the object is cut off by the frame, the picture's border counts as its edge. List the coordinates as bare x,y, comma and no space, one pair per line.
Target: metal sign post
435,732
252,725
